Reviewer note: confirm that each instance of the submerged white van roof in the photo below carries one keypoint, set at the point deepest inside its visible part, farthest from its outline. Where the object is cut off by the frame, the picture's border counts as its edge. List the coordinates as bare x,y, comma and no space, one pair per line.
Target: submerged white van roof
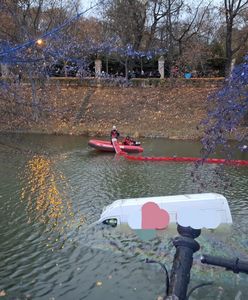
207,210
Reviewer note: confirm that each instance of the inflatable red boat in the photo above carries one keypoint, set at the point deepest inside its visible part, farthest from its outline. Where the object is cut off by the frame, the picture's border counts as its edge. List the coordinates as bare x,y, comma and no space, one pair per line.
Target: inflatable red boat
108,147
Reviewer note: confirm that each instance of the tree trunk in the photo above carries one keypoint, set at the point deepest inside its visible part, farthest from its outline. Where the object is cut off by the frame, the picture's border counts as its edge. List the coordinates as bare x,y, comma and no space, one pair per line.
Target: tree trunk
126,68
228,49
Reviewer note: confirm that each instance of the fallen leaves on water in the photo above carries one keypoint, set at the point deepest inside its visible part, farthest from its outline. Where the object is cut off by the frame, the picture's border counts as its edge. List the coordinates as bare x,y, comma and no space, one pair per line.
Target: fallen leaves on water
99,283
2,293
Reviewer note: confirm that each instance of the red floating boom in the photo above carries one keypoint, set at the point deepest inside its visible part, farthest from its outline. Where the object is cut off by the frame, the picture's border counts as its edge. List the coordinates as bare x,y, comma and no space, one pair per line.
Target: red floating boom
119,151
117,147
188,159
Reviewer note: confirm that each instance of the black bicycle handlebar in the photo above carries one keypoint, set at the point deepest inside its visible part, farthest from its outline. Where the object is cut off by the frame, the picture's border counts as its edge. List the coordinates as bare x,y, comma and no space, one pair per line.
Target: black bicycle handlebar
186,246
180,273
234,264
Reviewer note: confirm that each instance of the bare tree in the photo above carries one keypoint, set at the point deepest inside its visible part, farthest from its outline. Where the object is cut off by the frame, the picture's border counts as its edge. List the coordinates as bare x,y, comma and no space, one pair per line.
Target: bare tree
22,23
236,16
175,23
126,20
26,19
184,28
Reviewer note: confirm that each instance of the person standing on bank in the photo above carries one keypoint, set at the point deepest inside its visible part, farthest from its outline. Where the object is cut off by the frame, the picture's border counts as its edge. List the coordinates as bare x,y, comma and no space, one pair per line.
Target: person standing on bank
114,134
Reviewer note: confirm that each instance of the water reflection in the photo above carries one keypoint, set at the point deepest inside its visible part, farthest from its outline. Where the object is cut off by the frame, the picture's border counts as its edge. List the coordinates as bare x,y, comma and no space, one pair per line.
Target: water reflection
46,193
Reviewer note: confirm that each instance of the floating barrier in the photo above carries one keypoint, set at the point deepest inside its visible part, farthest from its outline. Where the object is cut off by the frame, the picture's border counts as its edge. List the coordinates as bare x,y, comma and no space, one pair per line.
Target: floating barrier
188,159
117,147
178,159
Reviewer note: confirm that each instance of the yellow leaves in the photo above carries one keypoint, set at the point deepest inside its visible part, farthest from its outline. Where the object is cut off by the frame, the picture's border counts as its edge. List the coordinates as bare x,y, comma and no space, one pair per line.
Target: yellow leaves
51,201
22,194
46,196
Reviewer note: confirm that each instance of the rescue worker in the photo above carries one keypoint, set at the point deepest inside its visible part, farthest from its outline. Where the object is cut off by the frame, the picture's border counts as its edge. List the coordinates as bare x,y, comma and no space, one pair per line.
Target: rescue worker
114,133
128,141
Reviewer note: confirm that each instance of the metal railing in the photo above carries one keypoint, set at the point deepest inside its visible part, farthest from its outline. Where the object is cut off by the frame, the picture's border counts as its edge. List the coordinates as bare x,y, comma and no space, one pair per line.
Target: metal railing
178,280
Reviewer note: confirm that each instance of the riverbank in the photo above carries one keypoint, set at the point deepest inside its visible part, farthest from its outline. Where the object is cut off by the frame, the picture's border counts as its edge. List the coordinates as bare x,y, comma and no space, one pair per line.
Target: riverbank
149,108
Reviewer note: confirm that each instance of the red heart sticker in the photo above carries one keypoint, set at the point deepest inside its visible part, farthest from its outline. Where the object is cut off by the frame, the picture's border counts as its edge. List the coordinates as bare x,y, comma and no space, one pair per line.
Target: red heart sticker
153,217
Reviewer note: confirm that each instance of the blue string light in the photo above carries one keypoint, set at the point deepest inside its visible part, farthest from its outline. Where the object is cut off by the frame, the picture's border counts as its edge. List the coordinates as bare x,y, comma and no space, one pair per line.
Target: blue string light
17,55
229,111
45,35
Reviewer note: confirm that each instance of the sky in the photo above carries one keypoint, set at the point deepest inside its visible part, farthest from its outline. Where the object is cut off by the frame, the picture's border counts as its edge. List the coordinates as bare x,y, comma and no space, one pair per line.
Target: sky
87,3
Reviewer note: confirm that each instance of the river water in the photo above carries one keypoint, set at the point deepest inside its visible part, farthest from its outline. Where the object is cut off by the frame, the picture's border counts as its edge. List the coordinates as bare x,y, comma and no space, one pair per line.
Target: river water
53,189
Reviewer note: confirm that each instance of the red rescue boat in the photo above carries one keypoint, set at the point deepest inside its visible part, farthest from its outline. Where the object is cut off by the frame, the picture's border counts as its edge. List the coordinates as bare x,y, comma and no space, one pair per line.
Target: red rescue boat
108,147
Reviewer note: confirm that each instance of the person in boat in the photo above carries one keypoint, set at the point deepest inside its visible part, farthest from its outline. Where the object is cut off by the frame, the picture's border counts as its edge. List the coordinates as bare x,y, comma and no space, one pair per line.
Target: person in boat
114,133
128,141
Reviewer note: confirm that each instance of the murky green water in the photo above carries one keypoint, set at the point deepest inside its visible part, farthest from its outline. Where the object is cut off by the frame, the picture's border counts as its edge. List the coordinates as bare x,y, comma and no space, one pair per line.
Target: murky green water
53,188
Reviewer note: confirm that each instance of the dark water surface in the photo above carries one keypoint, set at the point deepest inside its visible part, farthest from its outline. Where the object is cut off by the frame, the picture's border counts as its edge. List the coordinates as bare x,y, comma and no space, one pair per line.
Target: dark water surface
53,188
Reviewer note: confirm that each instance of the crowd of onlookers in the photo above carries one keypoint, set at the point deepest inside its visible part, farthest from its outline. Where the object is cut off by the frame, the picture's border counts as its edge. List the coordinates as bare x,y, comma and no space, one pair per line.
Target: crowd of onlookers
72,70
131,74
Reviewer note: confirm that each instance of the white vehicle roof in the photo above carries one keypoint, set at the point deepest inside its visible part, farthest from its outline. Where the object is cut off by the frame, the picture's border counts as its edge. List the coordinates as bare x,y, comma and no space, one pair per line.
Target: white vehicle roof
205,210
